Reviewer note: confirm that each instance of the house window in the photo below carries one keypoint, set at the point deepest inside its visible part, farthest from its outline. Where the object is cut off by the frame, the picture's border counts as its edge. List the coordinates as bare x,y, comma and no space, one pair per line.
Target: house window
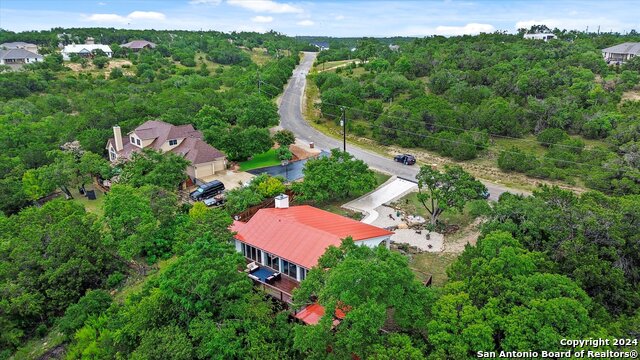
303,273
138,142
289,269
132,140
173,142
273,262
251,253
112,154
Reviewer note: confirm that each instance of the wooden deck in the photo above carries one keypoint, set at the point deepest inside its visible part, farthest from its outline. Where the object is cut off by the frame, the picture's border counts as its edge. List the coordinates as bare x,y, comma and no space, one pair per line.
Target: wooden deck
281,289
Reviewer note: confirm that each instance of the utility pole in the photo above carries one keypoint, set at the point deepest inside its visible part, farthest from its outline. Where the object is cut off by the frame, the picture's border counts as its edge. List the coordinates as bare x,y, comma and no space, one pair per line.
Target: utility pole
343,122
259,84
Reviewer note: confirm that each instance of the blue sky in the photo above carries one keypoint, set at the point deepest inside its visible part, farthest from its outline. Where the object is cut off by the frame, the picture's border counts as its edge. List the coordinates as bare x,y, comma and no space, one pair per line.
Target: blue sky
331,18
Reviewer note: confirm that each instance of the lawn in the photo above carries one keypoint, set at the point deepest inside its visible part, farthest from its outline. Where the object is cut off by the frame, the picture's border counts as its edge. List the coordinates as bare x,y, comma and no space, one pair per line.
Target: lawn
268,158
93,206
411,205
434,264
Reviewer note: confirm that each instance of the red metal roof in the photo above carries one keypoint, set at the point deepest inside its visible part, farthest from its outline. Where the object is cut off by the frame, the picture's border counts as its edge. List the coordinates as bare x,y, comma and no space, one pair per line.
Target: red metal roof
301,234
311,314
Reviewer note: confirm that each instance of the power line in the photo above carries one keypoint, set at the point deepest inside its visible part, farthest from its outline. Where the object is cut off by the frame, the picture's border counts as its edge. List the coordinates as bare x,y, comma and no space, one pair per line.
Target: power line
458,128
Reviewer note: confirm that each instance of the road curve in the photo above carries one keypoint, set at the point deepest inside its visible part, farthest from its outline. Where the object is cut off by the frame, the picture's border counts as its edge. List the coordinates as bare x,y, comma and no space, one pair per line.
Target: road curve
291,118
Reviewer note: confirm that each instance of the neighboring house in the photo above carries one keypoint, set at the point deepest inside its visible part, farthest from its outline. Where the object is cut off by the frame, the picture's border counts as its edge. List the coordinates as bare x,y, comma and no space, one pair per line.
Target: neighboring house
393,47
161,136
321,45
545,36
85,50
285,242
19,45
138,45
18,57
622,52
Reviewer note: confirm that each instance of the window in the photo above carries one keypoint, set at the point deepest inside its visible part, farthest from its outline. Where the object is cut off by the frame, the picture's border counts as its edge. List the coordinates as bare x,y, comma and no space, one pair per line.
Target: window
273,262
132,140
173,142
303,273
251,252
138,142
112,154
289,269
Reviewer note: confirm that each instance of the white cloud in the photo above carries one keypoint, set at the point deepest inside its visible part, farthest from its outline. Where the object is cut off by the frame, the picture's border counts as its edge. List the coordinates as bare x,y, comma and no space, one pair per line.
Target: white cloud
305,23
268,6
135,15
102,3
339,17
469,29
205,2
146,15
262,19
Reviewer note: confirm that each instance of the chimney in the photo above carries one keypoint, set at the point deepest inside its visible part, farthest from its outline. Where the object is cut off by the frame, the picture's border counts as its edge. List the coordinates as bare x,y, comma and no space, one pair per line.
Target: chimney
90,41
117,136
282,201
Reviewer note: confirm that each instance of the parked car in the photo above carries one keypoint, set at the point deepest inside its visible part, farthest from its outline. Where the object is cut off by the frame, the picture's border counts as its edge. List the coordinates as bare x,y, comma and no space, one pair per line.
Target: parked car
207,190
405,159
215,200
485,194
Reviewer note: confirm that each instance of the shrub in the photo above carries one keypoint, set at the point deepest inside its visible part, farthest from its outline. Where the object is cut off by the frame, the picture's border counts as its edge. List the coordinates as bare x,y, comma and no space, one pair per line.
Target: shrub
551,136
515,159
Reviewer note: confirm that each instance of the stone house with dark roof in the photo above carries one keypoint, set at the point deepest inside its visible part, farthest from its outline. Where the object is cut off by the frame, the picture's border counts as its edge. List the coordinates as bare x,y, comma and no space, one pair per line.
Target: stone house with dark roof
158,135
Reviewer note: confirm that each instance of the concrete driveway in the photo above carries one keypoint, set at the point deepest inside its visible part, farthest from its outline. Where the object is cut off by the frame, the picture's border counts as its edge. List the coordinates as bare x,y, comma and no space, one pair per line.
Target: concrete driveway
393,189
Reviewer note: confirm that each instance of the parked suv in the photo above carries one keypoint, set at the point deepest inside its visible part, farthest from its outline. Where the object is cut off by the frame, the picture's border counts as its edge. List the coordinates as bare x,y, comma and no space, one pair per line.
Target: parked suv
207,190
405,159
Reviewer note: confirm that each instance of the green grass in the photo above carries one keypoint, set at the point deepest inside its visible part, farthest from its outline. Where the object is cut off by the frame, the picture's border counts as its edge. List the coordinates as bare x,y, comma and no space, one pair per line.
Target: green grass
268,158
381,178
93,206
410,204
434,264
134,284
37,347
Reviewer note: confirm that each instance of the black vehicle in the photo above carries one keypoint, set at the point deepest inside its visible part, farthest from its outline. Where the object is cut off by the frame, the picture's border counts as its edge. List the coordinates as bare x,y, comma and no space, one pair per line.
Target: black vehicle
405,159
207,190
485,194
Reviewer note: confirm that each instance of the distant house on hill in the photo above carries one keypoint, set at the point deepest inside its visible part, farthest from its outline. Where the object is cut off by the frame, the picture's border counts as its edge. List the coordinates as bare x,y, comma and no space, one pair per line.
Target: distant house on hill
321,45
16,58
393,47
137,45
85,50
183,140
622,52
545,36
19,45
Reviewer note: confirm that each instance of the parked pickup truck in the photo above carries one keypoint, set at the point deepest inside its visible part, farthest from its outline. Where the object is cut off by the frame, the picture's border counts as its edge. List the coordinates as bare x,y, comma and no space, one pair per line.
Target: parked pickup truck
405,159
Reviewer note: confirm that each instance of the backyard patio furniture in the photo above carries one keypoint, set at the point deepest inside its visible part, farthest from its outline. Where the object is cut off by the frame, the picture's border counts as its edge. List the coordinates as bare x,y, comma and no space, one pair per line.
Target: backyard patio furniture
251,267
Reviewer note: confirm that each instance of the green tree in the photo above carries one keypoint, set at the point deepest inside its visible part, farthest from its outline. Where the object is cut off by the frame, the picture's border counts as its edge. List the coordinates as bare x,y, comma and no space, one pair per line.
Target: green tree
451,189
284,137
100,61
338,176
149,167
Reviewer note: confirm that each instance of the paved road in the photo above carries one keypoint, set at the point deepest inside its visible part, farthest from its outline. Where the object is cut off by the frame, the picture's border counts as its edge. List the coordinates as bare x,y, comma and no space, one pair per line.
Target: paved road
389,191
291,118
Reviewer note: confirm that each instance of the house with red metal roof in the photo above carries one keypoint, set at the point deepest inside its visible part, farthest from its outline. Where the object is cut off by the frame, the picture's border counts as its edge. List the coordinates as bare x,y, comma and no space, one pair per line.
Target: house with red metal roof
285,242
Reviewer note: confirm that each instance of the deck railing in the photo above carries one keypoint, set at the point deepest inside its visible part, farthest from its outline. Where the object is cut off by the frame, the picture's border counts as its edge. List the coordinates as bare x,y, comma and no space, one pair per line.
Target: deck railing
274,291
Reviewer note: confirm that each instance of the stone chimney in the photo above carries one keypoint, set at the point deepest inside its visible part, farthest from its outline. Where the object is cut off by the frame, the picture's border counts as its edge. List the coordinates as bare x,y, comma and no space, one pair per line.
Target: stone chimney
90,41
117,136
282,201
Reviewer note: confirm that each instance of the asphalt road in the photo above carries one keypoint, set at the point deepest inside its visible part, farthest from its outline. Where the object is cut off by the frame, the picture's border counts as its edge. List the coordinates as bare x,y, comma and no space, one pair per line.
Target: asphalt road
291,118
